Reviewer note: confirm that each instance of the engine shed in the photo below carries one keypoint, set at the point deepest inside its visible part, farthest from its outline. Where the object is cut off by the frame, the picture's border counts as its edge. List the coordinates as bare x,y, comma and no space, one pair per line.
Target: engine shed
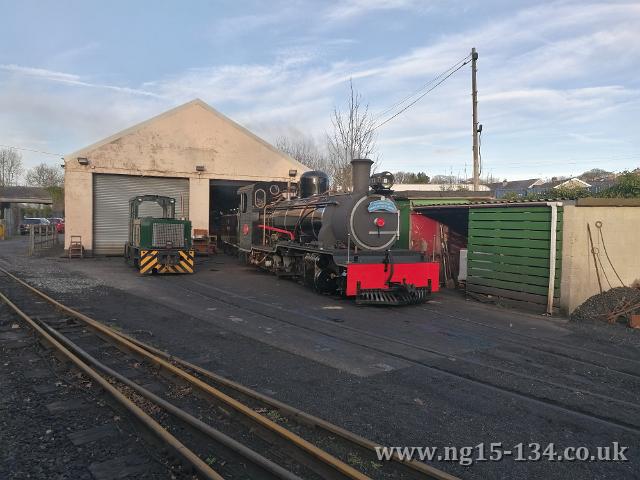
192,153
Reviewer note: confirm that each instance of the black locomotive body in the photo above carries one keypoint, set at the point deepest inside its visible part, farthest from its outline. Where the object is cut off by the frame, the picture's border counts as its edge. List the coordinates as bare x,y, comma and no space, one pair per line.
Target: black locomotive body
335,242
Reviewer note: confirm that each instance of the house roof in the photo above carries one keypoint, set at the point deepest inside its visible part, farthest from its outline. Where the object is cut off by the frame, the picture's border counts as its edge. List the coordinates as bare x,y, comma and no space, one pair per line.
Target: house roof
559,183
25,195
604,183
514,184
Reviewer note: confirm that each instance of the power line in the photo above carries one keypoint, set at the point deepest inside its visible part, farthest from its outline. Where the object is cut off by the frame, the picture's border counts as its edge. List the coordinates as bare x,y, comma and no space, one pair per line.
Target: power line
408,97
421,96
32,150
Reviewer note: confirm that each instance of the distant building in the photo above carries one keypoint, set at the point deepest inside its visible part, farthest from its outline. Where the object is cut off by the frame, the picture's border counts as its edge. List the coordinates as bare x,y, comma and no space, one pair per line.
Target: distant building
11,199
520,187
437,187
602,184
565,183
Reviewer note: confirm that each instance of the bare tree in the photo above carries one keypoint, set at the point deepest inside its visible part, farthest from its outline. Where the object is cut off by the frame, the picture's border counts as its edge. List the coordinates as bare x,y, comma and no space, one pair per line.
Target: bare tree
444,179
10,167
50,178
411,177
305,150
45,176
353,136
595,174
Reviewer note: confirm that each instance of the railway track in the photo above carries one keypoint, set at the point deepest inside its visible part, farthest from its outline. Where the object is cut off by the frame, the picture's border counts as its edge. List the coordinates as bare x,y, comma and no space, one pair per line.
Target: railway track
217,427
400,348
554,347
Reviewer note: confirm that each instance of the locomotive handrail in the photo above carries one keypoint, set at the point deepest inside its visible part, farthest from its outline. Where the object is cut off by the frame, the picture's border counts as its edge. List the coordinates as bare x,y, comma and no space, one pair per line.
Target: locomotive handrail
302,216
279,230
318,204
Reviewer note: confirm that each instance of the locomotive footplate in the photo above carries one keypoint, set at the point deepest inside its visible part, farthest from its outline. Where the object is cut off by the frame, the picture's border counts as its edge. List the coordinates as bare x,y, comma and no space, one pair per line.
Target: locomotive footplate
396,294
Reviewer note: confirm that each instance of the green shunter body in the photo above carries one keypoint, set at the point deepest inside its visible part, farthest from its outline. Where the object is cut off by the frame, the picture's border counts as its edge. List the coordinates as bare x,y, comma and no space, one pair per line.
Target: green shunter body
158,244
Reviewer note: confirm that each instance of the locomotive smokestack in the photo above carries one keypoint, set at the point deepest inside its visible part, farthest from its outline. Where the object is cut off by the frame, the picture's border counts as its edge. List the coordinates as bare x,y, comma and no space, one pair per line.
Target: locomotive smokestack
360,173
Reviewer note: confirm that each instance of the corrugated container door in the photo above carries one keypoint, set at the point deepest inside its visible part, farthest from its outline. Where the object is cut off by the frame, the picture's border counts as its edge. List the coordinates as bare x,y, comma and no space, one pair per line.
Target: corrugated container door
111,194
508,253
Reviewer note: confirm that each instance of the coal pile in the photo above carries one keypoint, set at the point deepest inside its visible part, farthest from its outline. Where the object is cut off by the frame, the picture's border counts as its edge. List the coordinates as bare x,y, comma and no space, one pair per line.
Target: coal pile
601,305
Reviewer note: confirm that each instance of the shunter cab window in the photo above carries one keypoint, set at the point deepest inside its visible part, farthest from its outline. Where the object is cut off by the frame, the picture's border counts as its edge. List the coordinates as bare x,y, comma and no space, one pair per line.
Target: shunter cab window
243,203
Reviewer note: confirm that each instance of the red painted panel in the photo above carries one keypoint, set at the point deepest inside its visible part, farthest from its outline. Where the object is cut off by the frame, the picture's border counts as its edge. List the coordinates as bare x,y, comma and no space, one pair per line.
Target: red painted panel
423,230
372,275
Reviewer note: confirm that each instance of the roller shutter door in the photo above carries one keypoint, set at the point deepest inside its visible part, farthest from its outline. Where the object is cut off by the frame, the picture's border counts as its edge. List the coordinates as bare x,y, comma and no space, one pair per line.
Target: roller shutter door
111,194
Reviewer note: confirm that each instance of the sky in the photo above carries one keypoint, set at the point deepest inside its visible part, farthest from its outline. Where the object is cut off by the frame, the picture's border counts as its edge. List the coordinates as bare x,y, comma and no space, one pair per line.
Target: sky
558,82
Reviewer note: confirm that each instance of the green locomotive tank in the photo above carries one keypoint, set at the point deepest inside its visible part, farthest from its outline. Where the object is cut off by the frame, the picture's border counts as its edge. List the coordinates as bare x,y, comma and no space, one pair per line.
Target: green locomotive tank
158,244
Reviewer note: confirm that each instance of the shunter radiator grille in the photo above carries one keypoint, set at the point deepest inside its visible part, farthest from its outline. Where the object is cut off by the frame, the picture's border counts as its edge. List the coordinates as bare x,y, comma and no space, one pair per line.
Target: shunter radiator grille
168,233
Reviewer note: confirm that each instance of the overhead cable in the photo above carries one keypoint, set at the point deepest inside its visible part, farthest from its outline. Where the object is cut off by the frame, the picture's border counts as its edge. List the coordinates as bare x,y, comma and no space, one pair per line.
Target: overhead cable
421,96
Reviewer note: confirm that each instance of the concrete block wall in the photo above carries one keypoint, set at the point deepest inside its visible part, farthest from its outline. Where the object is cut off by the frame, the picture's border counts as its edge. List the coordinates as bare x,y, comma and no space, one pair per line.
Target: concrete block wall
621,234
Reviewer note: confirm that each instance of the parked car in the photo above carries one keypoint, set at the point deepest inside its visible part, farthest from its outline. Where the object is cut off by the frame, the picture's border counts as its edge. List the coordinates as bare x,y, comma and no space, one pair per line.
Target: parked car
24,225
58,222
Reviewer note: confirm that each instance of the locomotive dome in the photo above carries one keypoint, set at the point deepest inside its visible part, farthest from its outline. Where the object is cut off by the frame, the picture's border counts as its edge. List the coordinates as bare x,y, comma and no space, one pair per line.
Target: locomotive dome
313,182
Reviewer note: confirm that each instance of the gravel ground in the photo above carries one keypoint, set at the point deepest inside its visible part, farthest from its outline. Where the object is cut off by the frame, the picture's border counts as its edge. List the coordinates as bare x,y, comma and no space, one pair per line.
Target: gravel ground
45,409
404,403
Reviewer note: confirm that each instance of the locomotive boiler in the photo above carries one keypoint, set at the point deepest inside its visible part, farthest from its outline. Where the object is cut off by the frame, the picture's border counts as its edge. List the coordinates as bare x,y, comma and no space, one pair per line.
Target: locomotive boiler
335,242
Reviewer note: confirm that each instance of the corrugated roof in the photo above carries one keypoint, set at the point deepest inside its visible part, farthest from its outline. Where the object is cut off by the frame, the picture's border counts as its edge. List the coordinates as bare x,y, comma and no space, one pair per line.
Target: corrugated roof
421,194
496,203
25,195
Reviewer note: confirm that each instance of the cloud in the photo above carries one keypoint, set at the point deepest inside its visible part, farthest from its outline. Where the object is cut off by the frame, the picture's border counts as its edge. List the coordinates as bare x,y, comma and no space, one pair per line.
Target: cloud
73,54
69,79
40,73
239,25
547,74
348,9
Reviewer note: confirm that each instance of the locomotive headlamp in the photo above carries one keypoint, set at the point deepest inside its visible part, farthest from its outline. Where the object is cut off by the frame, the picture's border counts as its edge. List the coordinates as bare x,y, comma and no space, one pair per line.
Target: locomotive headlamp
379,222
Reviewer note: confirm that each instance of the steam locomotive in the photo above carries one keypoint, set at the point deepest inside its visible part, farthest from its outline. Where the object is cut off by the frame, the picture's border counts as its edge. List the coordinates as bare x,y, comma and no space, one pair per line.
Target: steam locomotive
334,242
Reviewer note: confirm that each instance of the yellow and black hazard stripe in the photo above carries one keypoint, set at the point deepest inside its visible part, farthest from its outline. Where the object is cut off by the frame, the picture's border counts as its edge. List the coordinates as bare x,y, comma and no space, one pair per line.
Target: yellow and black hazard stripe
148,260
187,260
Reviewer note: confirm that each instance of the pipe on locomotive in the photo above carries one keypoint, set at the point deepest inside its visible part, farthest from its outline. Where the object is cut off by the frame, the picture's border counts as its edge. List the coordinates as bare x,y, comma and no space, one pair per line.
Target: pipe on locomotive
360,174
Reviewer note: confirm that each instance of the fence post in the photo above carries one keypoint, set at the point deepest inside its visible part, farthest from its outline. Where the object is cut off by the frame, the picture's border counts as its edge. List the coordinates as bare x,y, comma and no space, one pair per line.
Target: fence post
31,239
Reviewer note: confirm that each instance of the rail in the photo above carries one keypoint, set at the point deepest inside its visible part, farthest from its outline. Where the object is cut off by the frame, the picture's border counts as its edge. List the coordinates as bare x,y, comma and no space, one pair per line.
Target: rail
154,427
189,373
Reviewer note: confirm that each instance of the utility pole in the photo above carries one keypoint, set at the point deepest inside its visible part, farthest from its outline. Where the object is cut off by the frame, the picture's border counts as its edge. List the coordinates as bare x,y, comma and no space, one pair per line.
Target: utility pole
474,99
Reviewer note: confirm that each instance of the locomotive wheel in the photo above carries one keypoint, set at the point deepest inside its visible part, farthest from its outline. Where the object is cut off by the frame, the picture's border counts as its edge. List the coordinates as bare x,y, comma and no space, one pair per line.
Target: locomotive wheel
325,281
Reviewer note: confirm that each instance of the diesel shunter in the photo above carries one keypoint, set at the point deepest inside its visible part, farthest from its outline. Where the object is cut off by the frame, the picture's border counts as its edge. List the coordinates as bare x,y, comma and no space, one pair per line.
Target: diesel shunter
158,244
335,242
